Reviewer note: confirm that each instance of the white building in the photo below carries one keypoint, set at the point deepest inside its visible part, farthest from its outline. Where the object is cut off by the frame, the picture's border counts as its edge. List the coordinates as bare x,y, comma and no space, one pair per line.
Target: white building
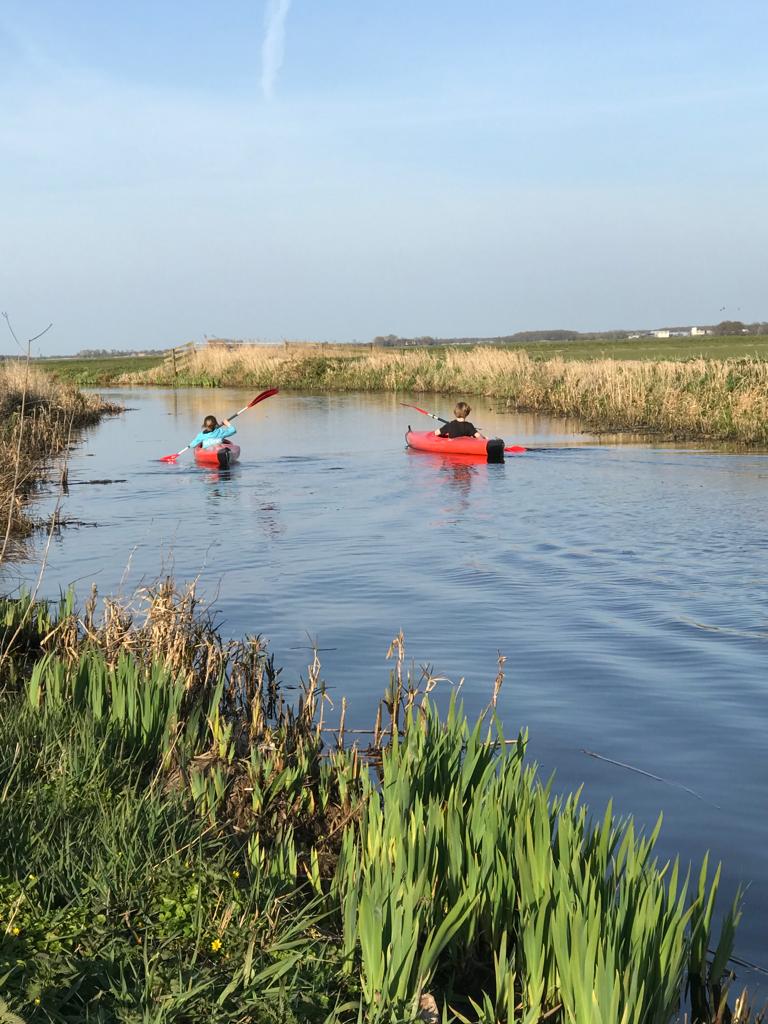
661,334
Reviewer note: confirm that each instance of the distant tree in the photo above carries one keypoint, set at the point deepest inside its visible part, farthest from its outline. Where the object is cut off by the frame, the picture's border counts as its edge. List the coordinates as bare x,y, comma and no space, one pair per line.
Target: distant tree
730,327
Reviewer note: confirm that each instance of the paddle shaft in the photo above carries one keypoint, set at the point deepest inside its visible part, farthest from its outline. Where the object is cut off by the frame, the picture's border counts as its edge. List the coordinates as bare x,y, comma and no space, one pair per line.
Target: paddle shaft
433,415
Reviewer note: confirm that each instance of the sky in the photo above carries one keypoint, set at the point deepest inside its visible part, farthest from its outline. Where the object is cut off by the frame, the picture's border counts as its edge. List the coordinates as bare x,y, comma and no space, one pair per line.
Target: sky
334,171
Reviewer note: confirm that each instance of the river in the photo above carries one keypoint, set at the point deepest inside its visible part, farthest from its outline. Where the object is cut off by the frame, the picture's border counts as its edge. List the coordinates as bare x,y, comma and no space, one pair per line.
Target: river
624,581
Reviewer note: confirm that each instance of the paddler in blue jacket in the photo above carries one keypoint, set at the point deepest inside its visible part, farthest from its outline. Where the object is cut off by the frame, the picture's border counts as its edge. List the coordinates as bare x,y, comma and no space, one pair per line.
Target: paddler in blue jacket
213,433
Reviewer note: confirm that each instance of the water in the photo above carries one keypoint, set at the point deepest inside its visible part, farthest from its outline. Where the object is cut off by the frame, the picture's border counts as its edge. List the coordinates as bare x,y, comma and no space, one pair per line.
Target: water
624,582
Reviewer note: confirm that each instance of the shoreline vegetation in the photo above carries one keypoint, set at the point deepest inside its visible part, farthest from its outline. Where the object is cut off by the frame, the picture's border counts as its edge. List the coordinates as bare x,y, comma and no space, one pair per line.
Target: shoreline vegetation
723,400
185,841
39,419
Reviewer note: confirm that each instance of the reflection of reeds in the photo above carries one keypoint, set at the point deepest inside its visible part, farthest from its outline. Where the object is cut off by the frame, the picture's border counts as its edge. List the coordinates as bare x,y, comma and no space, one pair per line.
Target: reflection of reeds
725,400
37,418
177,833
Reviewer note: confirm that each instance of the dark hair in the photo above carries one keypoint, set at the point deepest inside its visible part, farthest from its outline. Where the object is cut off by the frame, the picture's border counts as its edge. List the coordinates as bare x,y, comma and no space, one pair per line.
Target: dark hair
462,410
209,423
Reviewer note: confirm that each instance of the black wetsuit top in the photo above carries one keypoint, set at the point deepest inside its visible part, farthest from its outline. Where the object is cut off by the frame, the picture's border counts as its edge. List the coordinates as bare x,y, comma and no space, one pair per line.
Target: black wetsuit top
457,428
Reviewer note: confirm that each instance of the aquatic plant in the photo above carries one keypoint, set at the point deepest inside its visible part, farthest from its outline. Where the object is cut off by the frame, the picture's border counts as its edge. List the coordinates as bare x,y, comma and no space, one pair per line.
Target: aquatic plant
181,842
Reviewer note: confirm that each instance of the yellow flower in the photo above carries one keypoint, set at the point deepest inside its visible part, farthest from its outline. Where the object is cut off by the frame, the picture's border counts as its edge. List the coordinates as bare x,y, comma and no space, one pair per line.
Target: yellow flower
16,930
235,873
37,1000
32,878
216,945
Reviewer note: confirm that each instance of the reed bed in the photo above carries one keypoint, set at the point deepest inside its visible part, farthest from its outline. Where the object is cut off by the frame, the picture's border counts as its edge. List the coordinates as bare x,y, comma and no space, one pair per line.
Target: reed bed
698,398
39,417
180,843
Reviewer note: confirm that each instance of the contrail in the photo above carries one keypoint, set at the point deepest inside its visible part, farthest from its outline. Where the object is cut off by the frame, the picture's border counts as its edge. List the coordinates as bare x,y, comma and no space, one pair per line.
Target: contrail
273,47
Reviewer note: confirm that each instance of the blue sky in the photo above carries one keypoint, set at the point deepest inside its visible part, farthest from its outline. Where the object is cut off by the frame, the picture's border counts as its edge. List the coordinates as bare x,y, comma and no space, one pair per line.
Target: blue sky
339,170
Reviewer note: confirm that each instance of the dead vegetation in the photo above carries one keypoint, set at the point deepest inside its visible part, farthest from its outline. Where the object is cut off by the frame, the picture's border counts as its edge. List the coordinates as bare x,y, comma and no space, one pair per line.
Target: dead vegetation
39,418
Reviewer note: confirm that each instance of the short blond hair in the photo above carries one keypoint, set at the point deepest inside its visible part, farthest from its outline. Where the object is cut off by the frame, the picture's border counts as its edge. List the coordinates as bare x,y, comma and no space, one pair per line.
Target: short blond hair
461,410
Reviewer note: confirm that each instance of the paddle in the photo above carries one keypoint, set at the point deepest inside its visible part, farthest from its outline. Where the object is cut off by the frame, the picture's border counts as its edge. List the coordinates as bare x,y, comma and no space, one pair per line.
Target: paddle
434,417
509,447
255,401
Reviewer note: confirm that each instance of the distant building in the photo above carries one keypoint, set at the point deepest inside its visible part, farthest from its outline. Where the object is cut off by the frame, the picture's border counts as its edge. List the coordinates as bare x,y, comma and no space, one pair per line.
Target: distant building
661,334
698,331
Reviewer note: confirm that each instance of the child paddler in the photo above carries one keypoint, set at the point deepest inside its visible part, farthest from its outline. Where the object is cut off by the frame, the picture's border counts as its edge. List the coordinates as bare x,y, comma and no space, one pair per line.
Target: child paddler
460,427
213,433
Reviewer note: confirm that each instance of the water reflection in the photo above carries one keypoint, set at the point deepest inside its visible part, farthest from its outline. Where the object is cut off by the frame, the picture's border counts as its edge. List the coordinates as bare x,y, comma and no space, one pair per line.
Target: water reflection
269,519
215,476
219,486
459,475
456,485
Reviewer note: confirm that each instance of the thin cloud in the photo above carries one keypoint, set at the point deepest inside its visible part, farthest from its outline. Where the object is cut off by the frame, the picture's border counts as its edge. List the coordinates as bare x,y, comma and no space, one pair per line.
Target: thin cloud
273,47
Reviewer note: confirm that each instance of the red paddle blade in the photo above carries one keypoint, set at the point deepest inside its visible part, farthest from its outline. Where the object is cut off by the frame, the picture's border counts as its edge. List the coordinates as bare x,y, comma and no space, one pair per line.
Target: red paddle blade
515,448
169,458
405,405
262,396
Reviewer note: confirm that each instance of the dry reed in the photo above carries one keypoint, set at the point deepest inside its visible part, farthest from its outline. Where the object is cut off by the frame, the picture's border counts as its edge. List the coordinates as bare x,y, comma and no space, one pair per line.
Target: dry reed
38,416
699,398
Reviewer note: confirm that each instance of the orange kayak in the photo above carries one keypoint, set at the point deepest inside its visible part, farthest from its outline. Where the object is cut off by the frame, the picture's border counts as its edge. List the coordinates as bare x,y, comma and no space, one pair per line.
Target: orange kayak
220,455
491,449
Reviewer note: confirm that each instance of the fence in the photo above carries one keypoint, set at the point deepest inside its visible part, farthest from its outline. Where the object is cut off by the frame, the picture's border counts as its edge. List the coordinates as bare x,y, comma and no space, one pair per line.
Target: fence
177,357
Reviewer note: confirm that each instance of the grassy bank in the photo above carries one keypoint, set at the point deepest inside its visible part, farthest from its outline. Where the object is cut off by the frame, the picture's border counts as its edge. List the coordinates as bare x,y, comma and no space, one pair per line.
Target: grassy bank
180,844
39,417
724,400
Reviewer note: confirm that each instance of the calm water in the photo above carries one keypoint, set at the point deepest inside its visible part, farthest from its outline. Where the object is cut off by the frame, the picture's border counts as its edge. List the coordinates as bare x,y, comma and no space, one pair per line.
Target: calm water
625,583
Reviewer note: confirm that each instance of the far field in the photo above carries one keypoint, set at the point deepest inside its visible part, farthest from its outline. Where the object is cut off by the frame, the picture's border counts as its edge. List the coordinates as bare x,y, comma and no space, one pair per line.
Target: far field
97,372
753,346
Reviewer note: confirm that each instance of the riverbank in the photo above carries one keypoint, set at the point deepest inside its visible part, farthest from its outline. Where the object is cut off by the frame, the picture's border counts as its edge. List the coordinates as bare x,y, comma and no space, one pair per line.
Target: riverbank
724,400
39,418
180,842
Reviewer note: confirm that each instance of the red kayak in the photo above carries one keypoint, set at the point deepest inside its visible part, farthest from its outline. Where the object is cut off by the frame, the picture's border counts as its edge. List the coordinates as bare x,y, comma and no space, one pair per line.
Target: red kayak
491,449
220,455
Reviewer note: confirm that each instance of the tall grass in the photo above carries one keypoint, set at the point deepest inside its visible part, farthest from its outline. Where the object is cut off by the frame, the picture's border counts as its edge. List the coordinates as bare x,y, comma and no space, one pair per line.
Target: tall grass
38,419
182,844
725,399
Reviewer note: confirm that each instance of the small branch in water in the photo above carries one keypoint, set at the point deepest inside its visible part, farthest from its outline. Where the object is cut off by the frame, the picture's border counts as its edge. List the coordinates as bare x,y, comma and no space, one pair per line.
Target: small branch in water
82,483
57,521
649,775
